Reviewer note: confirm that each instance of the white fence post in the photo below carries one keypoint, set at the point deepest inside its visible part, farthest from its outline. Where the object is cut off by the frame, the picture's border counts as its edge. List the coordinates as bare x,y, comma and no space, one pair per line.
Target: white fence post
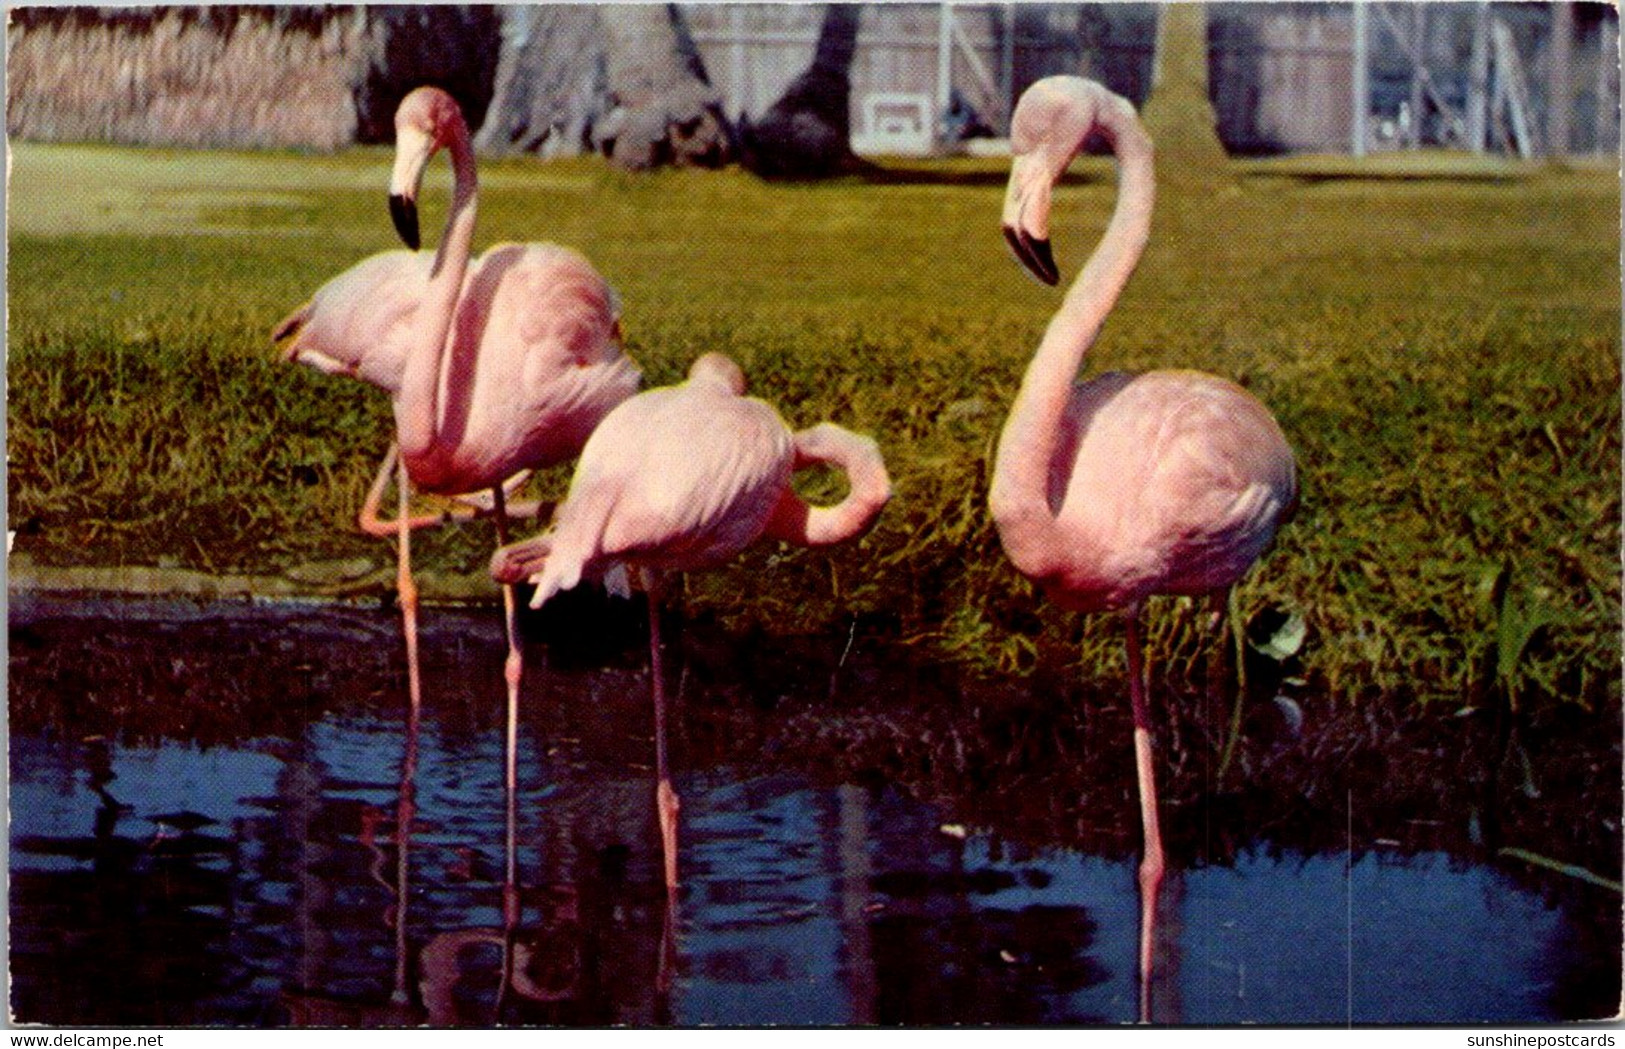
1362,79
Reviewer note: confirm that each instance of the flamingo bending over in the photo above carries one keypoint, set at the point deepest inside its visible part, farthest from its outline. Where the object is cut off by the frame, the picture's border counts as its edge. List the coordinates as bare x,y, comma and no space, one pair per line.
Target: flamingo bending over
1109,491
682,478
494,366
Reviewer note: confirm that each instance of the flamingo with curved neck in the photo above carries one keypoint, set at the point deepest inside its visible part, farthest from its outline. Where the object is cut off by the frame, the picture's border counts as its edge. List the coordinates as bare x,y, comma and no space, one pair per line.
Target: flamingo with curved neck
682,478
516,358
495,365
1109,491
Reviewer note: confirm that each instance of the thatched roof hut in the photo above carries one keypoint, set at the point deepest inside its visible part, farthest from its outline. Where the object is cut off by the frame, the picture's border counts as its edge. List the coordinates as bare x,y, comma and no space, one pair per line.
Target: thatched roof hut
308,76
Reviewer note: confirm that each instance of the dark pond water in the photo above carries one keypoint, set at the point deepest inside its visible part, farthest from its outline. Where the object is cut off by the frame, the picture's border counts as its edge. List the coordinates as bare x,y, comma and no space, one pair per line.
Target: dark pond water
227,819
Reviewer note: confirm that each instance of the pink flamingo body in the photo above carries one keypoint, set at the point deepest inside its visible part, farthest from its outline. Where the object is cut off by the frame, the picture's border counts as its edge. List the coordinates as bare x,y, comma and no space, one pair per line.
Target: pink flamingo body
494,366
360,323
534,337
683,478
517,353
1160,485
530,348
1125,486
534,363
668,506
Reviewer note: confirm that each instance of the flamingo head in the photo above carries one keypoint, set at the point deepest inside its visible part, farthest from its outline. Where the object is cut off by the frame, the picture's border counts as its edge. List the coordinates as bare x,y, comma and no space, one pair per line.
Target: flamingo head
716,369
1051,123
426,120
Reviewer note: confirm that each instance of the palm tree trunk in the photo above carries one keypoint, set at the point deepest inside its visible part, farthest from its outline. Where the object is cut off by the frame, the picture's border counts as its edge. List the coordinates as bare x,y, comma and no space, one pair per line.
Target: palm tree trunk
550,88
1179,113
666,111
808,133
1559,87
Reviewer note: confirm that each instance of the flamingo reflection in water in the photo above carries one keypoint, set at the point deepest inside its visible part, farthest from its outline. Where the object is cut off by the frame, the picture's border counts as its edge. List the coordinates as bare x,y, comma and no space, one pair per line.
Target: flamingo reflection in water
683,478
540,964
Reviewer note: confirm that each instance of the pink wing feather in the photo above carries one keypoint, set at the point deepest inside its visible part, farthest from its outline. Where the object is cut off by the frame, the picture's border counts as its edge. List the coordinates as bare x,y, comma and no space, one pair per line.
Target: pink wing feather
680,477
1167,482
360,323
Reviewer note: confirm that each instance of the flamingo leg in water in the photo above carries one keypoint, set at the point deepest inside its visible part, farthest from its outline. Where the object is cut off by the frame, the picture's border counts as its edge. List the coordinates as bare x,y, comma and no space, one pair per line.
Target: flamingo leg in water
405,812
513,672
407,591
666,801
668,954
1151,866
514,668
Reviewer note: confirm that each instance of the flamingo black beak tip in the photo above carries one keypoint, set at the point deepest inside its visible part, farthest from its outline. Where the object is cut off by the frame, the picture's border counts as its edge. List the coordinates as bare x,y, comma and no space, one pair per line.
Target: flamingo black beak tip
405,213
1047,271
1035,255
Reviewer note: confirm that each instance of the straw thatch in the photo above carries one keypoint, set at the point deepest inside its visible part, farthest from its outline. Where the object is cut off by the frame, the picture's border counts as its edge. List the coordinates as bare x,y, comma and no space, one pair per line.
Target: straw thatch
238,75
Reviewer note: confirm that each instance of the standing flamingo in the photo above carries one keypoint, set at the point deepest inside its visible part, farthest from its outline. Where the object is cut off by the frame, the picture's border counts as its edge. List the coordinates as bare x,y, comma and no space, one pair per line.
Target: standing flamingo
682,478
494,367
1109,491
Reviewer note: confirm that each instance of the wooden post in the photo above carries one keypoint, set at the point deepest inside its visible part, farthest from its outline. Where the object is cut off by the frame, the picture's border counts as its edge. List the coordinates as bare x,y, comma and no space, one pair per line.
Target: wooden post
1007,68
945,70
980,75
1559,85
1511,88
1418,34
1478,77
744,98
1607,110
1362,80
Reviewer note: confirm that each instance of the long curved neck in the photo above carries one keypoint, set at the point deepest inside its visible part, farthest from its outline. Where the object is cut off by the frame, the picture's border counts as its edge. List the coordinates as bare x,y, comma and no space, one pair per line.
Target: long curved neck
1020,496
419,404
796,521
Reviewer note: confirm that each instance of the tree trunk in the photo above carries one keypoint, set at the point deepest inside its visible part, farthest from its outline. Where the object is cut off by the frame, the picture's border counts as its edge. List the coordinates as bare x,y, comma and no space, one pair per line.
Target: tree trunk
665,110
551,88
808,133
1179,113
452,47
1559,86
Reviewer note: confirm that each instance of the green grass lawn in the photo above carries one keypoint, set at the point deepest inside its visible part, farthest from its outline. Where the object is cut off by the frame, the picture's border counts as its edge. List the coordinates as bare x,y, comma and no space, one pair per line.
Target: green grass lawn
1441,348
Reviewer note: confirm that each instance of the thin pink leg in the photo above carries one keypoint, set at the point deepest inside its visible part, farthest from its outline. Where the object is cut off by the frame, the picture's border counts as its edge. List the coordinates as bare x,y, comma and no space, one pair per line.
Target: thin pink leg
514,668
405,813
1151,866
666,801
372,524
667,965
513,672
511,905
407,590
368,519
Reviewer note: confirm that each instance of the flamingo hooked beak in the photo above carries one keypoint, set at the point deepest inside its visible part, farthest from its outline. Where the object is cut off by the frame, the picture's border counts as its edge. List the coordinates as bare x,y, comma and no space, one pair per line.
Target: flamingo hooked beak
1026,216
413,148
405,215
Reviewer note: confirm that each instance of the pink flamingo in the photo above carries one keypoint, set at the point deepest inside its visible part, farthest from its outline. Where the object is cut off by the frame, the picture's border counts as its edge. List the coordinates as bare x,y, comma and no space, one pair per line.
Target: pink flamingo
494,367
1107,492
682,478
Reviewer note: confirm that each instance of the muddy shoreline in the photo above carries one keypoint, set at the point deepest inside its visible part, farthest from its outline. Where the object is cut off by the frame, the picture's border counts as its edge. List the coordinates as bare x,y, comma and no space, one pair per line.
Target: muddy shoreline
355,580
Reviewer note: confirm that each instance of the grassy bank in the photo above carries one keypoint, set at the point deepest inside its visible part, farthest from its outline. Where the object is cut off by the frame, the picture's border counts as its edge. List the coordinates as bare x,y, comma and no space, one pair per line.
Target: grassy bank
1443,354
